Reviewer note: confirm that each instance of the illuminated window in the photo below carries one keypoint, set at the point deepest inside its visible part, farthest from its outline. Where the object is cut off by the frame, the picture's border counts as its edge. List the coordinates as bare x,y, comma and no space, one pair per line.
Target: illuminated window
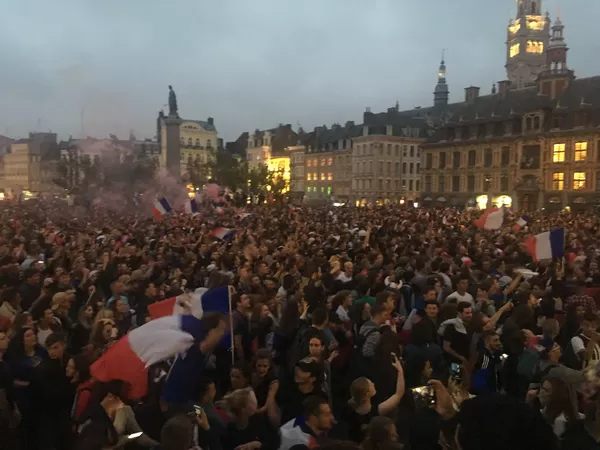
536,25
315,176
580,151
578,180
535,47
558,181
558,153
329,161
309,163
330,176
308,177
514,27
322,161
328,190
323,176
515,49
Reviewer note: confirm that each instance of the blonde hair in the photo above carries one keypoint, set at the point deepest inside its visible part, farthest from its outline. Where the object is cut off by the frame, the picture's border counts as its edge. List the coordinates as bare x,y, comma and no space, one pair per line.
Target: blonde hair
104,313
236,401
359,390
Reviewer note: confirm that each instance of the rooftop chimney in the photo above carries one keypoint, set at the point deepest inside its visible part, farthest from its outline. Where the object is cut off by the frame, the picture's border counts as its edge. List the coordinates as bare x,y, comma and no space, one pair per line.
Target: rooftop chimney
503,87
471,93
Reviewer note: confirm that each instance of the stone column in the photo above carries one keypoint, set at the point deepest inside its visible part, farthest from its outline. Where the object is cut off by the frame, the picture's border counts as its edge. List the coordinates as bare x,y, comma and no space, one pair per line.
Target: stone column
173,146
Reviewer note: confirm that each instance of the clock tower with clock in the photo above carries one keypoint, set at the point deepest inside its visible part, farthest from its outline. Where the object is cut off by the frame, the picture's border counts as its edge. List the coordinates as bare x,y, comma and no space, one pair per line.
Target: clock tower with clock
527,39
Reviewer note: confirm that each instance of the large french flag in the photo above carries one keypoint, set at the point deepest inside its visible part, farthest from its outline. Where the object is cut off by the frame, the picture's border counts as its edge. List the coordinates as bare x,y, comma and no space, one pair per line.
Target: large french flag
547,245
158,340
161,207
199,301
491,219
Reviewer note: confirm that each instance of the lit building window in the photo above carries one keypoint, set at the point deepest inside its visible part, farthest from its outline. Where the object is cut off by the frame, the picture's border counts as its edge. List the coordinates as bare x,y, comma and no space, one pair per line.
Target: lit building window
558,153
309,163
578,180
535,47
329,176
328,190
308,177
558,181
322,161
329,161
514,49
323,176
580,151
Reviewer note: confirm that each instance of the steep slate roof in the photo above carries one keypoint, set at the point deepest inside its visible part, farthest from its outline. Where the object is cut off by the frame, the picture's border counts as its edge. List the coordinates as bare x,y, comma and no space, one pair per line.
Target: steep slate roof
283,136
207,126
580,93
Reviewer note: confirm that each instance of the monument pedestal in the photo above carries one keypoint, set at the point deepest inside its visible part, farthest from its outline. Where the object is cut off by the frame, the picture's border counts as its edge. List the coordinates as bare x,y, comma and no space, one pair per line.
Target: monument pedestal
173,146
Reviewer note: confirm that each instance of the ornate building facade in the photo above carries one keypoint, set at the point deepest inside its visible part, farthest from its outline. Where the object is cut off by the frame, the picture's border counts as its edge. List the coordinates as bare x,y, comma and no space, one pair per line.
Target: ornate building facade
530,147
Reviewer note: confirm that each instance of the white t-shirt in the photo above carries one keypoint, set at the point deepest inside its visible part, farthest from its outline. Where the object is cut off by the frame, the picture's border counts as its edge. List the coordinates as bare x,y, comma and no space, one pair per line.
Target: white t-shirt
42,335
466,297
579,346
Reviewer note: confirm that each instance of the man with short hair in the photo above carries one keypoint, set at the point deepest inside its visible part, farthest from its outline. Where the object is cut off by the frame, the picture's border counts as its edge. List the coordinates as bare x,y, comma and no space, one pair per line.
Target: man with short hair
583,348
485,378
307,382
369,333
461,294
456,340
315,422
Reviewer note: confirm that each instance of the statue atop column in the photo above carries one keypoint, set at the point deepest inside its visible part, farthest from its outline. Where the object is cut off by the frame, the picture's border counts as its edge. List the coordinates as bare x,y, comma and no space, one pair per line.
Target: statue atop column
172,102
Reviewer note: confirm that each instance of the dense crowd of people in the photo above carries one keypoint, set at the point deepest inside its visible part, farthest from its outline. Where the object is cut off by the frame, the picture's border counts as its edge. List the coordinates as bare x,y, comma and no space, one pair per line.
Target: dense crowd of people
373,328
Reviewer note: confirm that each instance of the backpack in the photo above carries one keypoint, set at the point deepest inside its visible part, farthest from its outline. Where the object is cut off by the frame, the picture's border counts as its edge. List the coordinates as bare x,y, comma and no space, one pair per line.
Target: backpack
361,365
528,362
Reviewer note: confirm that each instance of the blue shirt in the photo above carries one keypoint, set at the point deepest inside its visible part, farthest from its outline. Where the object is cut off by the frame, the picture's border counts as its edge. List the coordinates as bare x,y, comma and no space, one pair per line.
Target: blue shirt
183,377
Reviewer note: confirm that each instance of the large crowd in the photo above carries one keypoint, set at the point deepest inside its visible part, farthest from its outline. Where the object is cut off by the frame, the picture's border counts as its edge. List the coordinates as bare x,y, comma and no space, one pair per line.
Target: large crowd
375,328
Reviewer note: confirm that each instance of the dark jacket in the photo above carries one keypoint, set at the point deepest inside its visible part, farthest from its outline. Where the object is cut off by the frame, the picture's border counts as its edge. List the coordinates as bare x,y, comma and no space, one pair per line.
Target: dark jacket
97,432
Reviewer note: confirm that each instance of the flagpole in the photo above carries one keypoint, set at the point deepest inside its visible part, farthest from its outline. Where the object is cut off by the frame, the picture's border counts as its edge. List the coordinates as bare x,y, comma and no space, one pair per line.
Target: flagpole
229,289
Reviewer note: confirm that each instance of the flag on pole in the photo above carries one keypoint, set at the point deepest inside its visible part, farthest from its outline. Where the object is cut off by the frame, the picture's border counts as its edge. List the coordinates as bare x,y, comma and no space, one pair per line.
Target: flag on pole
547,245
191,206
491,219
521,222
161,207
223,233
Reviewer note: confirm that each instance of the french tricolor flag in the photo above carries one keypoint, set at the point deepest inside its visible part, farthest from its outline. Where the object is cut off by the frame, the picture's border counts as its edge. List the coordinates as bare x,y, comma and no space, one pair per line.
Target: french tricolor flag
201,300
191,206
158,340
547,245
161,208
491,219
523,221
222,233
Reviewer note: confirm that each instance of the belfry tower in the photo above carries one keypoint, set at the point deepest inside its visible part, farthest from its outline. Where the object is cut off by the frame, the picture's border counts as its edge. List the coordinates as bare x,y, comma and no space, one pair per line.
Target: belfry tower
440,94
528,36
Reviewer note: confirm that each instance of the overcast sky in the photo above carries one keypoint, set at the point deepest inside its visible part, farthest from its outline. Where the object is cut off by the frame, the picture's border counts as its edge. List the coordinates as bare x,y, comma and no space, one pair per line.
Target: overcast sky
251,63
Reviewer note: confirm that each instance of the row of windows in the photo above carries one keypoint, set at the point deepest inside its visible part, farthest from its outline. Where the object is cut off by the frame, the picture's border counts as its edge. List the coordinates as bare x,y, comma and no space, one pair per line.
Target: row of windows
413,185
558,181
196,143
314,176
579,153
455,186
410,168
407,151
559,154
323,189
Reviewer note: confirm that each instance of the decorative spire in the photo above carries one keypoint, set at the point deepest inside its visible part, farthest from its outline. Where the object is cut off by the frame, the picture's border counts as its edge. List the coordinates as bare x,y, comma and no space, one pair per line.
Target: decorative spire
440,94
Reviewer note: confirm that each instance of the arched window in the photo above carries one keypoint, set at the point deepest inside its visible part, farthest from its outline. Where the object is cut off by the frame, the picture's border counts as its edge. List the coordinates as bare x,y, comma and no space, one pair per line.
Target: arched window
190,142
208,143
